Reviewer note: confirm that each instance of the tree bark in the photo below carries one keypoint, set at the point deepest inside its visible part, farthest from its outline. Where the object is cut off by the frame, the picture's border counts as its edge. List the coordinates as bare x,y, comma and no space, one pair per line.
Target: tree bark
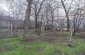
27,20
66,12
36,24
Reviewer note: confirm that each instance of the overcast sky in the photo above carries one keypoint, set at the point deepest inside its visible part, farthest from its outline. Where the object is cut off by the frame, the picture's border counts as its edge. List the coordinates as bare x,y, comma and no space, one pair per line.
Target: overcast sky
4,5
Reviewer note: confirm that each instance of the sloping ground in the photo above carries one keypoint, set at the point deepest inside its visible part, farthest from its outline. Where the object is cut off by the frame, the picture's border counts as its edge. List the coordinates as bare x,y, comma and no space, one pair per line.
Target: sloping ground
16,46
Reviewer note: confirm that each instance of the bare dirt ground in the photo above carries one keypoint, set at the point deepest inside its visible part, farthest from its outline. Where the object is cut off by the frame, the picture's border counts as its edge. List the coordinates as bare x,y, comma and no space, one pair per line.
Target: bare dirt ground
82,35
52,37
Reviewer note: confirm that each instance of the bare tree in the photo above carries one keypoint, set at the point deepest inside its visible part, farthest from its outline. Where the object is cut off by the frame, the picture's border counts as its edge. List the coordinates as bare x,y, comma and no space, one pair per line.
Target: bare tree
52,14
37,7
66,12
78,17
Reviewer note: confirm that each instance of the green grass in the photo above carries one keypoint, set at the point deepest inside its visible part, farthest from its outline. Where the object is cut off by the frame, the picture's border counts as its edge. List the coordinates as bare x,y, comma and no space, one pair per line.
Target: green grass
18,47
65,33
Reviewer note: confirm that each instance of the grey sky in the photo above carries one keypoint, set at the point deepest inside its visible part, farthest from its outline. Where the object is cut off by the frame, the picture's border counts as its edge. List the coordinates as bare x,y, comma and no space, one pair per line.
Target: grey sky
5,5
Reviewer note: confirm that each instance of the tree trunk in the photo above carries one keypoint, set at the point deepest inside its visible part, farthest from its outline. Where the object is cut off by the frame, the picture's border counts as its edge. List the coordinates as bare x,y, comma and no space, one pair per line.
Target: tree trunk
68,24
11,29
27,20
36,24
74,27
66,12
52,20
